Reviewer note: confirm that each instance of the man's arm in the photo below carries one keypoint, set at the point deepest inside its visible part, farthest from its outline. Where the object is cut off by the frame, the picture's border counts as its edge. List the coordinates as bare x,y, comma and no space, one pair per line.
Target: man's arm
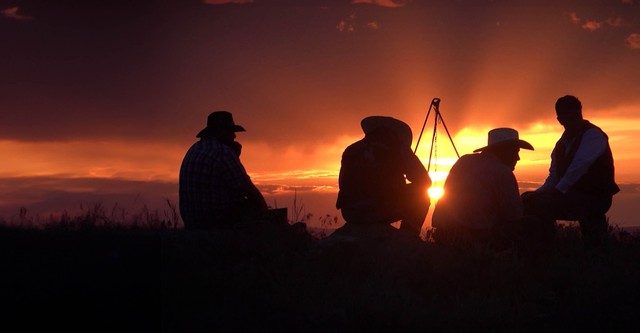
239,179
592,146
254,195
414,169
552,179
509,201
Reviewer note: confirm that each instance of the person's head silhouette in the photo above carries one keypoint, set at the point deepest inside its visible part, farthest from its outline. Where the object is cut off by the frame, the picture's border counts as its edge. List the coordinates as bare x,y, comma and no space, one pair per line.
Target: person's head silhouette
220,125
569,111
505,144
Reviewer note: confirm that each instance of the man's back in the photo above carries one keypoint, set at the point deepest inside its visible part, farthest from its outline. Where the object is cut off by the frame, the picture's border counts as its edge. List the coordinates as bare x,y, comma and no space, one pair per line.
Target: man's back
369,172
210,178
479,192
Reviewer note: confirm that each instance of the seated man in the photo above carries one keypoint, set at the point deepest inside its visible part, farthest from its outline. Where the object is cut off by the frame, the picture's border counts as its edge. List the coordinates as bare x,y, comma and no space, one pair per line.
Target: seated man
373,178
481,200
215,190
581,183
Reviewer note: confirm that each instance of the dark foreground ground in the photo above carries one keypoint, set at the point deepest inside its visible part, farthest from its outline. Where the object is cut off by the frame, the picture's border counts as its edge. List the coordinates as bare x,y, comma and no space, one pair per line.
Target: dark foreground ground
274,279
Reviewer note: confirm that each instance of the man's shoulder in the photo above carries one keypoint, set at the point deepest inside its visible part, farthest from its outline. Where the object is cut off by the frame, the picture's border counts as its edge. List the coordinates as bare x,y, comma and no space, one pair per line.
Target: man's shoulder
591,127
471,158
209,147
208,144
594,132
355,147
480,163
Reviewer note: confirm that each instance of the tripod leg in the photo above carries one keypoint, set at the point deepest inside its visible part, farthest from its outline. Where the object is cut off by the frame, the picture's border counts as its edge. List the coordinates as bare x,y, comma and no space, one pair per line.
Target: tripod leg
438,115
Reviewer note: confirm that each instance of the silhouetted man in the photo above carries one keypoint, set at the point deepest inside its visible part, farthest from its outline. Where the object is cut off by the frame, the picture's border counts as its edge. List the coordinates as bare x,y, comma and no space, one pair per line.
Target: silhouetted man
373,178
215,189
481,201
581,181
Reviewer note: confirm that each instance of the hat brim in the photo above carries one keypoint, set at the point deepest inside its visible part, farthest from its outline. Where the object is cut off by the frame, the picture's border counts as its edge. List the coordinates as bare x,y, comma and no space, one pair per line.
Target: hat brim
209,130
400,128
518,143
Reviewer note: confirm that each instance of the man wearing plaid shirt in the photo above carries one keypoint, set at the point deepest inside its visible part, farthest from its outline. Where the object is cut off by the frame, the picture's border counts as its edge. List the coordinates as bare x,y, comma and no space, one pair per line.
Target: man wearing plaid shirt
215,189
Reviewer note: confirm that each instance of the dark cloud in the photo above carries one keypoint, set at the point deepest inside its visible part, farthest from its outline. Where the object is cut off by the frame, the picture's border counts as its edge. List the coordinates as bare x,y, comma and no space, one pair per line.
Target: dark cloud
154,70
629,188
223,2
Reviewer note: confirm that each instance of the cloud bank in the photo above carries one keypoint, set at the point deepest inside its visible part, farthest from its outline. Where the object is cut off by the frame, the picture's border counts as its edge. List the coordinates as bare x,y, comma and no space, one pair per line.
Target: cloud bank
383,3
222,2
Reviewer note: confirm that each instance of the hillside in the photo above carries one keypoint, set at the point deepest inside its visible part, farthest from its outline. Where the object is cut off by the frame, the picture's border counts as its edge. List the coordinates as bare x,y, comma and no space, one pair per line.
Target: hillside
274,278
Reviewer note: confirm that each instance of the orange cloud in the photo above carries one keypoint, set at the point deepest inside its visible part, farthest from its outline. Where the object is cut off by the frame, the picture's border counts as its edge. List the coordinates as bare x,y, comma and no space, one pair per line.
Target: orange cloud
373,25
633,41
615,22
350,24
344,26
383,3
96,159
574,18
593,25
222,2
12,13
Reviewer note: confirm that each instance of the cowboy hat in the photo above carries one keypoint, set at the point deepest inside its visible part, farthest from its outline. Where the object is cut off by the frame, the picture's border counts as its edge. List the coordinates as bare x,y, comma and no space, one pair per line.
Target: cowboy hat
220,120
504,136
399,128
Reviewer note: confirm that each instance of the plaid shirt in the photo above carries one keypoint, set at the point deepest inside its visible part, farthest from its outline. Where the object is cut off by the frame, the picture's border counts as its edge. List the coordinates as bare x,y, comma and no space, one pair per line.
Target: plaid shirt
213,183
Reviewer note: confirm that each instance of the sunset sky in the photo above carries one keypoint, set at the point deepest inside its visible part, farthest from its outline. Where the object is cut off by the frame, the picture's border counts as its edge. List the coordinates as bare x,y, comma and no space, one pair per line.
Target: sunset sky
99,100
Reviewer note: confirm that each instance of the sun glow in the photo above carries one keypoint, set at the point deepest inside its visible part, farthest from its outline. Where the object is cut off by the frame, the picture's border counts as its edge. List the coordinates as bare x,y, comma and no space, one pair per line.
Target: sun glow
435,192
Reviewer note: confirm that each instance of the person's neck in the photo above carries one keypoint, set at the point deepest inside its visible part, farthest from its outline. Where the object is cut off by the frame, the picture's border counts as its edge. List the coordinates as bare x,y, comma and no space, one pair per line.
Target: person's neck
574,127
500,158
219,139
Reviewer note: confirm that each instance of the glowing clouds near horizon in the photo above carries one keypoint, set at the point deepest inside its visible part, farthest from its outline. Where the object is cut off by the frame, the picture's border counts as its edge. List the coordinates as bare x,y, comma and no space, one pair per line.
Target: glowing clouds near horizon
97,159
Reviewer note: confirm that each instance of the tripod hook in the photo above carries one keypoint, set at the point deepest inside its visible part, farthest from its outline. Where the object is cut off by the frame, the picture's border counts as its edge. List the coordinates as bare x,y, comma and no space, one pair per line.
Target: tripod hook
435,103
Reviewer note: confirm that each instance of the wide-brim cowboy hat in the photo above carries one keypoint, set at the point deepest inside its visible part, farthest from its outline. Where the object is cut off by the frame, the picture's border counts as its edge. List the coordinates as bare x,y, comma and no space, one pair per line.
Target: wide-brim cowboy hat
401,130
504,137
220,120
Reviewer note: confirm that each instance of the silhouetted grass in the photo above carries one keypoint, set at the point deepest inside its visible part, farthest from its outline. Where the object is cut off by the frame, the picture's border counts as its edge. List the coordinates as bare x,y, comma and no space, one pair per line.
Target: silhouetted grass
269,278
95,215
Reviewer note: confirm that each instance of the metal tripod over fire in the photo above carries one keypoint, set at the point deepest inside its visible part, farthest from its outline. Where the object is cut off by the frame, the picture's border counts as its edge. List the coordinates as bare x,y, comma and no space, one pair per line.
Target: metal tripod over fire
435,105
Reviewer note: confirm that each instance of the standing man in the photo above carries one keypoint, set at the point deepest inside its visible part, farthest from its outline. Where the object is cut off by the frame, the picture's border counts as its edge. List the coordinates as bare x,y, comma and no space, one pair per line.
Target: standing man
381,180
215,190
481,201
581,181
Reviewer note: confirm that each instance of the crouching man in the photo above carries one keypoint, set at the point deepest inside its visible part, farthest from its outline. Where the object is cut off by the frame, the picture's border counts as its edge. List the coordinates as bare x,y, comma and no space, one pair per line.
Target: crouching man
382,181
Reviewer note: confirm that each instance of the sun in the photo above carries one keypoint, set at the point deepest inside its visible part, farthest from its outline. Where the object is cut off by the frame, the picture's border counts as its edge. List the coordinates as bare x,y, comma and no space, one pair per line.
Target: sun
435,192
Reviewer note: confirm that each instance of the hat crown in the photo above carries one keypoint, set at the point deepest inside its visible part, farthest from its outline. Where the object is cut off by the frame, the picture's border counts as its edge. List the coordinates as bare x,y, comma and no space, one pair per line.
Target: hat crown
220,120
399,128
504,136
498,135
